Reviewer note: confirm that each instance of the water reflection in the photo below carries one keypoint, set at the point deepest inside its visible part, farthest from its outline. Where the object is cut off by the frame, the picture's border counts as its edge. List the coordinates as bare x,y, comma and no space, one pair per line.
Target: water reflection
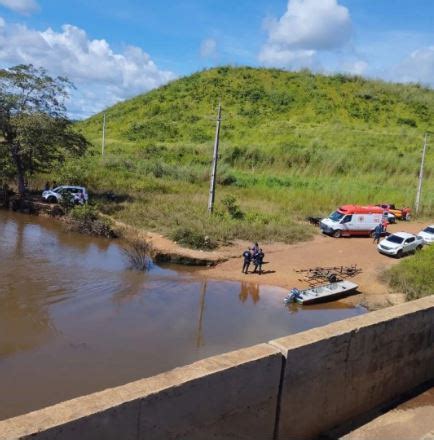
249,289
74,319
199,338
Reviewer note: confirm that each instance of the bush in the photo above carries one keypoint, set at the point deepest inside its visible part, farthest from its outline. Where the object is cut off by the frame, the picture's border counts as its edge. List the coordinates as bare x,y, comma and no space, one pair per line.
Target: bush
86,220
232,207
191,238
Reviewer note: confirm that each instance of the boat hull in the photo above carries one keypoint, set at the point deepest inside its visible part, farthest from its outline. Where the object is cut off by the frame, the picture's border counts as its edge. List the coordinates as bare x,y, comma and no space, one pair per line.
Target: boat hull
324,293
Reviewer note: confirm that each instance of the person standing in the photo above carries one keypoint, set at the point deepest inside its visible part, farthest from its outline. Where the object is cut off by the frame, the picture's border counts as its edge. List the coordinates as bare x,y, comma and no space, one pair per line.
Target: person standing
258,259
377,232
255,248
247,255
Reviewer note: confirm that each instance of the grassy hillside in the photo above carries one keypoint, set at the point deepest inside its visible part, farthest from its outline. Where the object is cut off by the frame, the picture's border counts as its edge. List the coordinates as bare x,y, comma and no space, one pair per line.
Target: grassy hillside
292,144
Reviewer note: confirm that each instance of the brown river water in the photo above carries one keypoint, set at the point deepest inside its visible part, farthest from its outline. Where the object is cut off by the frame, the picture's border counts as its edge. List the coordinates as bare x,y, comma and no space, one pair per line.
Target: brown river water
74,319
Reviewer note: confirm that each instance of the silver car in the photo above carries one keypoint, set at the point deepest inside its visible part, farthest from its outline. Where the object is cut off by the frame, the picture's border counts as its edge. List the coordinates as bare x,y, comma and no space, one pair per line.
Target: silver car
77,194
399,244
427,235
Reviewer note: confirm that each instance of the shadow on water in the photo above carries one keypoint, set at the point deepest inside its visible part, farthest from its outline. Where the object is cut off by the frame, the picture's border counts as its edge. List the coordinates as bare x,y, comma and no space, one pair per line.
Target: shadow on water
74,319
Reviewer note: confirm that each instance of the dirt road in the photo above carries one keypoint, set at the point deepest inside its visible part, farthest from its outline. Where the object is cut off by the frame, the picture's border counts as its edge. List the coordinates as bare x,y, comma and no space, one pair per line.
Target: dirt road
282,260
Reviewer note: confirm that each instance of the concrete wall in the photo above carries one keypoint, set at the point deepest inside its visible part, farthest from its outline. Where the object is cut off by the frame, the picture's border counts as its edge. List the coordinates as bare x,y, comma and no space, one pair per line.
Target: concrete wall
337,372
291,388
231,396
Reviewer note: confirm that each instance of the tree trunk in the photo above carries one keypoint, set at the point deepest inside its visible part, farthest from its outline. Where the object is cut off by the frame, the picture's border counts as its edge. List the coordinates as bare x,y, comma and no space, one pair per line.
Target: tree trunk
20,171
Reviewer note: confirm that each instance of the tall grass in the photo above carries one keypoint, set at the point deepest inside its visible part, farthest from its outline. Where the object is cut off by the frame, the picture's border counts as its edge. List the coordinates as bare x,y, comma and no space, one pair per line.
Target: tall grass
414,276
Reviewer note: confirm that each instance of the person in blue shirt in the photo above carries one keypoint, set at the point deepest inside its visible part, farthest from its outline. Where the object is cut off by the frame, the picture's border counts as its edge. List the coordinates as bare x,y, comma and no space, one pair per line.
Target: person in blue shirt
377,233
247,255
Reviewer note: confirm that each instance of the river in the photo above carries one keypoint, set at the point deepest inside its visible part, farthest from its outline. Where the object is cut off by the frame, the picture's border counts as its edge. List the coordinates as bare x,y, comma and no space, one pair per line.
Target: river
74,319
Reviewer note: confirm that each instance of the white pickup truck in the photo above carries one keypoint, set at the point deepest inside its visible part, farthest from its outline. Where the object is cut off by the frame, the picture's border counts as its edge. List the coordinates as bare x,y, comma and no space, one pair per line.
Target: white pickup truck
399,244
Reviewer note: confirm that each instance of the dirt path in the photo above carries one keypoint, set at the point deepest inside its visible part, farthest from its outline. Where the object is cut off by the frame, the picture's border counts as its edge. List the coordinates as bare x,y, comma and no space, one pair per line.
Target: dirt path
282,260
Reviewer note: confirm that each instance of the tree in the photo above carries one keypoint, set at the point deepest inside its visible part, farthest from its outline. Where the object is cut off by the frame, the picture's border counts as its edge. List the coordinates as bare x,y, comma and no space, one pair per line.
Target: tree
35,129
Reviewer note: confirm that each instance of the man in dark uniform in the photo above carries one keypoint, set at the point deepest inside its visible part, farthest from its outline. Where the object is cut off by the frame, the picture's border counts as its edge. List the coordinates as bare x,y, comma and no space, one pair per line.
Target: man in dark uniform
247,255
258,259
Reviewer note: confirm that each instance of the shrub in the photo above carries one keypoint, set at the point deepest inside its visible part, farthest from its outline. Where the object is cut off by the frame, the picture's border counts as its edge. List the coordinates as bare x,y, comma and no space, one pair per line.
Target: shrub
86,220
189,237
407,121
138,254
232,207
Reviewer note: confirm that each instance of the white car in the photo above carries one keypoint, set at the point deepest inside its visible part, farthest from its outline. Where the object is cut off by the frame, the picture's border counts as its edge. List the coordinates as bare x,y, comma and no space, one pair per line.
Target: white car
77,193
400,243
427,235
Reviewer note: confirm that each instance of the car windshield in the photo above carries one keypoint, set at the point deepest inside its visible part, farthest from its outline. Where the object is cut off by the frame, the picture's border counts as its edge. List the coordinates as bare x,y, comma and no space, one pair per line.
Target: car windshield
429,229
395,239
336,216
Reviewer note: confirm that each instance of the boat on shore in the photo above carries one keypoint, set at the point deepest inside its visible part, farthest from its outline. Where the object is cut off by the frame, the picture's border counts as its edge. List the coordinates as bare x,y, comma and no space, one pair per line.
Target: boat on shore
323,293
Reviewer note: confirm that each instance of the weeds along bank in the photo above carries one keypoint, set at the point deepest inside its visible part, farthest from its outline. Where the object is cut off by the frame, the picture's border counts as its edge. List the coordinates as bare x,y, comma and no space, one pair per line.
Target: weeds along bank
414,276
292,144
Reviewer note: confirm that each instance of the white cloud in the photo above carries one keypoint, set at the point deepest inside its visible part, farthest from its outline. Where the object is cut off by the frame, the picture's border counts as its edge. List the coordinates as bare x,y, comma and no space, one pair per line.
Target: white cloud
21,6
357,67
308,26
102,76
208,48
417,67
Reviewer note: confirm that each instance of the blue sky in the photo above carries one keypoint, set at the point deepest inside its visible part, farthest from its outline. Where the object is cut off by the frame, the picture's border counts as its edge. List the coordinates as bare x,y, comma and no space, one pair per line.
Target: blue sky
113,50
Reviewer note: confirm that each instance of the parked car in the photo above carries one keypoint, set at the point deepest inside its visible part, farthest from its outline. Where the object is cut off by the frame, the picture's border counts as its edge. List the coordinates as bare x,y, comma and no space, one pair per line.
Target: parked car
427,235
399,213
78,194
399,244
350,220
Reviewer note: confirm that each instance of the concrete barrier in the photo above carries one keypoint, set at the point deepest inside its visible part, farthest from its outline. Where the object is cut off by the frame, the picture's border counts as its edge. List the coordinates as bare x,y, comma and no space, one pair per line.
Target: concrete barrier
231,396
295,387
337,372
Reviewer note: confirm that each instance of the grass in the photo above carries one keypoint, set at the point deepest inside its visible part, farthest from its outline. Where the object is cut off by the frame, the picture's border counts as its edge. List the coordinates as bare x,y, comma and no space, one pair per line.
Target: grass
292,144
414,276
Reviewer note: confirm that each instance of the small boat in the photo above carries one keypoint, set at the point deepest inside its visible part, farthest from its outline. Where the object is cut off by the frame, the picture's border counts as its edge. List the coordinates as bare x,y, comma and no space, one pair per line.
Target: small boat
326,292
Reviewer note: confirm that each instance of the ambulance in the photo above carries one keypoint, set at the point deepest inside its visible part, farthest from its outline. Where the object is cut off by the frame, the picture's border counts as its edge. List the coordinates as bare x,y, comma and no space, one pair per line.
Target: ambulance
350,220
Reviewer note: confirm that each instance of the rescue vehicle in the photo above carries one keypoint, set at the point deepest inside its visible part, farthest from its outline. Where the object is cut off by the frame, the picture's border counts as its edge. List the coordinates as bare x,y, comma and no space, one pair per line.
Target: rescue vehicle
350,220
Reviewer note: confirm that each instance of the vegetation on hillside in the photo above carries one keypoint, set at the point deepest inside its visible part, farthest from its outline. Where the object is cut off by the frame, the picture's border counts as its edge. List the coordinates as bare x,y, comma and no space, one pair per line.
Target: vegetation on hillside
414,276
292,144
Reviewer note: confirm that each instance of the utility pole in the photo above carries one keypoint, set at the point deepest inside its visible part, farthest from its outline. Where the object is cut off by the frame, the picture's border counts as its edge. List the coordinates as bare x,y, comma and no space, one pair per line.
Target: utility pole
422,163
214,161
103,136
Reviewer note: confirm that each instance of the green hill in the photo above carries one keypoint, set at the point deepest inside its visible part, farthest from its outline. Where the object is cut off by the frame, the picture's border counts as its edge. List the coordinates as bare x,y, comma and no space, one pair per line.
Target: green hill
292,144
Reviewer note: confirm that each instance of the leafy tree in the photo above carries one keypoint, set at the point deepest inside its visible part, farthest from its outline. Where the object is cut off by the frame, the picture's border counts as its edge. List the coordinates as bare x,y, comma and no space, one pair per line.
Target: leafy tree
35,131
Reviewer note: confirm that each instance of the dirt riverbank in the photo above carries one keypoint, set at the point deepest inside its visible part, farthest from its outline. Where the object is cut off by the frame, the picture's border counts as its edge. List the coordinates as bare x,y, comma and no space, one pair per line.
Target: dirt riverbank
283,260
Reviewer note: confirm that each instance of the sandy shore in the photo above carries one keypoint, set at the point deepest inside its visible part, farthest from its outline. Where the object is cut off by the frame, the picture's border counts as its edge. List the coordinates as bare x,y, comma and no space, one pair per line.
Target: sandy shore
283,260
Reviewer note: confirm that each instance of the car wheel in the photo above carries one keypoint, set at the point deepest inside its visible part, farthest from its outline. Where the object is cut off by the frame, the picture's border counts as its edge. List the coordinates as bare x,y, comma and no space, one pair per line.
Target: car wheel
399,254
337,233
52,199
419,248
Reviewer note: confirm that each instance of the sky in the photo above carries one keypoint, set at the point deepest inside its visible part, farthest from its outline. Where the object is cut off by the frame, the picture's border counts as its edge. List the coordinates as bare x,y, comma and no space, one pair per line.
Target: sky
114,50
